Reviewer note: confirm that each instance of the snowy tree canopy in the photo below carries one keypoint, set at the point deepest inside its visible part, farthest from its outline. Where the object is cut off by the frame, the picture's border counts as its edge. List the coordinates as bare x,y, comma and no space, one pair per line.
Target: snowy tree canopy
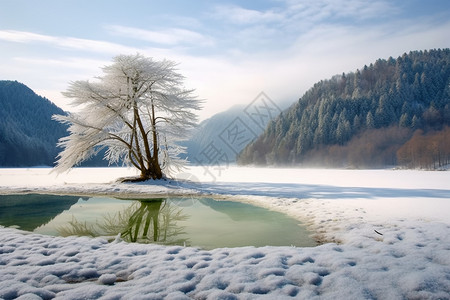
137,110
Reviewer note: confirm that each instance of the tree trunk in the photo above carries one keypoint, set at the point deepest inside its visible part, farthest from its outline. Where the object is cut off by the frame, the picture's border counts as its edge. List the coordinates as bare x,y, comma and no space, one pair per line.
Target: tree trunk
157,172
149,167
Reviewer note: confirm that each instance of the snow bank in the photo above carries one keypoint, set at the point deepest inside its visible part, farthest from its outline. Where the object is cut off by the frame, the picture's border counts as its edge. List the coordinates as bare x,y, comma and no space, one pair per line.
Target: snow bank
412,262
387,233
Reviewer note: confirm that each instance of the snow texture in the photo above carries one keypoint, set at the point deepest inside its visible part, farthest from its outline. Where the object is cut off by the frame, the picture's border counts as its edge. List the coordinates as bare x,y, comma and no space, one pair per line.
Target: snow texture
386,234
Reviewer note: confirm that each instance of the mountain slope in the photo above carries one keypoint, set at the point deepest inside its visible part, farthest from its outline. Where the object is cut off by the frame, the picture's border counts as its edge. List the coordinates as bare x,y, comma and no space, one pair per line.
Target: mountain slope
387,101
28,135
220,138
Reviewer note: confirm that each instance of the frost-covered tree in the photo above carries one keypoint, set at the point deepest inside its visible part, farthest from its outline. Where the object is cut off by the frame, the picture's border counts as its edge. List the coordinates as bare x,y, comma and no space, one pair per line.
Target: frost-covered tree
137,111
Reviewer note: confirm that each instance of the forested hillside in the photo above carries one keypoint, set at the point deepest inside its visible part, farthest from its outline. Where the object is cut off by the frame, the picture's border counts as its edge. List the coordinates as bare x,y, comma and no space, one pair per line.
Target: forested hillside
28,135
392,112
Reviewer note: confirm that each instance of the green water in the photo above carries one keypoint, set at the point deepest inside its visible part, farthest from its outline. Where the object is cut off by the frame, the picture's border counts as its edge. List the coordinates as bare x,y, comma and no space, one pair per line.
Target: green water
200,222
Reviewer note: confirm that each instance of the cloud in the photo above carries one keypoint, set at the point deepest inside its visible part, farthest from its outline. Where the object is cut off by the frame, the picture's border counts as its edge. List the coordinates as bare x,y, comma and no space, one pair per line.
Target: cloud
66,62
280,26
305,12
24,37
323,10
167,36
70,43
242,16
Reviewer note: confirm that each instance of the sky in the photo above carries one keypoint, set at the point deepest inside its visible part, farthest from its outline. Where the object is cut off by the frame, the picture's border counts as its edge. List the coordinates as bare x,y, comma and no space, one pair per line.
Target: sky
229,51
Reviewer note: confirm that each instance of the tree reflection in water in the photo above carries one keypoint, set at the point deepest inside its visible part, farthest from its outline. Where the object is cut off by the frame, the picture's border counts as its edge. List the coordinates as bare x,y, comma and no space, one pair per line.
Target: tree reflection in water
150,221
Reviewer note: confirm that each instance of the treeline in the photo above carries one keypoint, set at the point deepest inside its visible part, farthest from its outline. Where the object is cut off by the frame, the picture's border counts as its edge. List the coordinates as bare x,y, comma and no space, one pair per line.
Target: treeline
391,146
429,150
360,119
369,149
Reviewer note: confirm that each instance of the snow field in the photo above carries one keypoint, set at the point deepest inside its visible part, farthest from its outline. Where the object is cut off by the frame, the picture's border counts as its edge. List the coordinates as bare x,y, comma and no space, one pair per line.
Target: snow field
387,236
411,263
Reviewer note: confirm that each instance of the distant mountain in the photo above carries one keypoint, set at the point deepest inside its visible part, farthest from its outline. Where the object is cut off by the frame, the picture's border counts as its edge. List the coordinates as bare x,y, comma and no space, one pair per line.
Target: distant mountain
209,142
28,135
220,138
366,118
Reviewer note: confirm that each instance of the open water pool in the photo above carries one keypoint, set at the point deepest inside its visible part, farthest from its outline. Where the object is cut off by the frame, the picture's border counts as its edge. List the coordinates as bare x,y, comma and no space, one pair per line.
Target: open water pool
200,222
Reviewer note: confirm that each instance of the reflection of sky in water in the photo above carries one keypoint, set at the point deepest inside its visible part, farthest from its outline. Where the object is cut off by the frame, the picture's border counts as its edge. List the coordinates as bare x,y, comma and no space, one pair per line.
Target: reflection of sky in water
90,211
213,224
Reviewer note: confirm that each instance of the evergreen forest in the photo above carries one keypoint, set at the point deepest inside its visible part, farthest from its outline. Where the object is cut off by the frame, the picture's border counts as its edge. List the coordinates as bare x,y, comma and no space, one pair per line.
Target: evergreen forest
28,135
393,112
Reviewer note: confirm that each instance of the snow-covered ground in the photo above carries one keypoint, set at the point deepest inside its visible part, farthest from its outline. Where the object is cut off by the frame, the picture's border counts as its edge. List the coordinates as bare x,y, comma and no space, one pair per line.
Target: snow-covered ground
386,234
